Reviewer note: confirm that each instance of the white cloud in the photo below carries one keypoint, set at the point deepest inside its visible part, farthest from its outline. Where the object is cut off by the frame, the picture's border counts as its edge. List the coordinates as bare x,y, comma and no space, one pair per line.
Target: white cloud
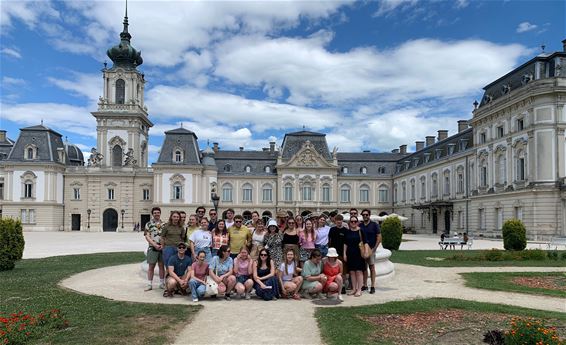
81,84
11,52
413,70
462,4
387,6
28,12
11,82
525,27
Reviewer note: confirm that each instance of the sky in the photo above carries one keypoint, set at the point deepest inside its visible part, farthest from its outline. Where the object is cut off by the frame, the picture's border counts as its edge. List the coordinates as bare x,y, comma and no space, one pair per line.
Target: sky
371,75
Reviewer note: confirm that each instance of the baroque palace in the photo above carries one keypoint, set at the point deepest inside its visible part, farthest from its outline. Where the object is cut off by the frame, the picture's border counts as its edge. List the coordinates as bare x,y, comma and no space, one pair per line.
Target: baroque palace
508,161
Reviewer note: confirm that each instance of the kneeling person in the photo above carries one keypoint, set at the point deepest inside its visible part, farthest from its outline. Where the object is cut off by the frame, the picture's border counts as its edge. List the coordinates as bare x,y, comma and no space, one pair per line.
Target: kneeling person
313,278
178,272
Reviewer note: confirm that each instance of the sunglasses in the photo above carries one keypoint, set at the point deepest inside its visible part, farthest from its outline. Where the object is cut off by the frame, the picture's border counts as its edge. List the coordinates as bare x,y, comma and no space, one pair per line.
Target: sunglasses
212,214
263,254
290,222
237,221
365,215
353,221
181,247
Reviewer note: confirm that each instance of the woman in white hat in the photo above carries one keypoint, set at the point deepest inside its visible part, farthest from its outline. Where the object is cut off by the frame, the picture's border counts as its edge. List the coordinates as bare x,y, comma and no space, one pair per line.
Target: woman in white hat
272,241
332,268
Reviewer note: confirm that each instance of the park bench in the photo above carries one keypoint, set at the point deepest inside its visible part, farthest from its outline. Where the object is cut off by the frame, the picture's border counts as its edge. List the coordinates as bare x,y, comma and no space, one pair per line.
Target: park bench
557,241
452,242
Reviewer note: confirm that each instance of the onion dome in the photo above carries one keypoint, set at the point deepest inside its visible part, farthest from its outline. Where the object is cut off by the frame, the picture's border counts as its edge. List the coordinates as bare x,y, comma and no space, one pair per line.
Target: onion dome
123,54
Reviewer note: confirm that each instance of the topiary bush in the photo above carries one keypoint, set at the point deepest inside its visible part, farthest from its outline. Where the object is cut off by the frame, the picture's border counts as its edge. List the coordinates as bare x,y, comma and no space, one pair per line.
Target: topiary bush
11,243
391,233
514,235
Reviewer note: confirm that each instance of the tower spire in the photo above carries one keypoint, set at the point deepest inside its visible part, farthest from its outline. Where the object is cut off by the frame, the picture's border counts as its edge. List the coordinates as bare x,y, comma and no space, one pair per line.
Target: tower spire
125,35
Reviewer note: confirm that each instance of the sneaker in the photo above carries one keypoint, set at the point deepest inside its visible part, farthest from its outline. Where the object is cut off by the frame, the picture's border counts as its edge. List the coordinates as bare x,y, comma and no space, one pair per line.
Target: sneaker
248,296
162,286
372,290
364,288
148,287
343,292
227,297
340,298
320,296
195,300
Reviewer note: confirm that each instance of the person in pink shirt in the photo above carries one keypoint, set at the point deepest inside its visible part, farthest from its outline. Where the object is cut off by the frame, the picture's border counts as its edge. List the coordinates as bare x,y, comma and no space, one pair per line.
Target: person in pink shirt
198,273
307,238
243,273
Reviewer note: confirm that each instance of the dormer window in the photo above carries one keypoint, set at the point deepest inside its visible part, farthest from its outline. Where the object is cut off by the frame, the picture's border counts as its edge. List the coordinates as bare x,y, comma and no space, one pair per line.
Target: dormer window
381,170
248,169
364,171
227,168
30,152
344,170
178,156
267,169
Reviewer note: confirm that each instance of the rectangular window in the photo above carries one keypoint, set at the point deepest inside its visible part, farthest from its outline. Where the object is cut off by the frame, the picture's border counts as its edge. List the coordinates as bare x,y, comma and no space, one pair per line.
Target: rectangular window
1,191
24,216
518,213
28,190
483,176
145,194
483,138
364,195
247,197
345,195
227,194
177,192
460,183
498,218
326,194
481,215
110,194
307,194
412,191
31,216
383,195
288,193
446,185
521,169
267,195
500,132
403,193
460,219
520,124
77,193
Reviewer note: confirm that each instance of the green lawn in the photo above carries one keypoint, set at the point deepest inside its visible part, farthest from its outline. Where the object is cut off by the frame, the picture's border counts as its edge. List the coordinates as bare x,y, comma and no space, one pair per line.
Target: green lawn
502,281
430,258
343,325
32,287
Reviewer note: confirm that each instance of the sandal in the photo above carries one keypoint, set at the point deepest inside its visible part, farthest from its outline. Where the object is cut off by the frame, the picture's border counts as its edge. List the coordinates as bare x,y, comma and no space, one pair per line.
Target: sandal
167,294
296,297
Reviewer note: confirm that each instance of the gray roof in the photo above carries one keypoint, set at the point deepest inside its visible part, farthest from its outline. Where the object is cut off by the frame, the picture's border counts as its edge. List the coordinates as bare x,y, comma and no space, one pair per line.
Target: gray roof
292,143
46,140
183,139
376,164
235,162
5,146
74,154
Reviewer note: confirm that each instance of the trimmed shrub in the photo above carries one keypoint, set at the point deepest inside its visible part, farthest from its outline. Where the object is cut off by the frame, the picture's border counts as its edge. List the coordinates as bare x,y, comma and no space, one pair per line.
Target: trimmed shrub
11,243
391,233
514,235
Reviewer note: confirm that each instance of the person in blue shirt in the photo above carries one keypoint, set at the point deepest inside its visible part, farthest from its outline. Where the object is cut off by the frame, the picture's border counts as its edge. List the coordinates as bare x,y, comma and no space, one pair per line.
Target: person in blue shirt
178,272
372,235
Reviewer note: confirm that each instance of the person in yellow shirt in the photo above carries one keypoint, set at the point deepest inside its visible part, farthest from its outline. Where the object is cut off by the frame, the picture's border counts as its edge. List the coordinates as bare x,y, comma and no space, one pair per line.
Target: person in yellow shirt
240,236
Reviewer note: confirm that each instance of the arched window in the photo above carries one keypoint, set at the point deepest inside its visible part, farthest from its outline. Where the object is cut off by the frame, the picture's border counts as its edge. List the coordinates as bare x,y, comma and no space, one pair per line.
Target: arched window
177,191
383,194
117,156
363,170
178,156
248,169
247,191
30,153
227,192
307,192
447,182
521,175
395,195
345,193
381,170
434,187
288,192
423,187
120,91
267,169
413,192
267,193
501,169
483,173
364,193
326,192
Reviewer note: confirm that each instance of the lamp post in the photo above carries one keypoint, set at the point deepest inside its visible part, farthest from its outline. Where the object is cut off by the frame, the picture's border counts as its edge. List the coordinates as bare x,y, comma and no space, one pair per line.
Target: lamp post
88,212
122,212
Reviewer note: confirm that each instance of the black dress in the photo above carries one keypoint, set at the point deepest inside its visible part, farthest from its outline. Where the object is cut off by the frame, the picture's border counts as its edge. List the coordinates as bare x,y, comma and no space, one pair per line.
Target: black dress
355,261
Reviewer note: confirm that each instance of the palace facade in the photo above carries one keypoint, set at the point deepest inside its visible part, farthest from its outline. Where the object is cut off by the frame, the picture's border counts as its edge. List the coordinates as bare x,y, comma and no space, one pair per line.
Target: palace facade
507,161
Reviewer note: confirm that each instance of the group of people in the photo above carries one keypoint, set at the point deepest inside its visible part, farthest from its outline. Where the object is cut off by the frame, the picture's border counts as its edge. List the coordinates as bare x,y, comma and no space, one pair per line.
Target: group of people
289,257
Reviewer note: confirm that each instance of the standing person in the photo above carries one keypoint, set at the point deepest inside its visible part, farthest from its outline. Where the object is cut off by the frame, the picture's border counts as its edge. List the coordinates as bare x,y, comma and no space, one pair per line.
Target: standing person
221,269
220,237
336,239
307,238
322,232
313,278
255,218
263,269
282,220
291,239
257,239
289,275
353,256
354,212
240,236
192,227
333,269
273,242
171,234
178,268
332,216
198,274
152,234
372,234
201,240
299,224
183,219
243,273
200,213
229,217
213,214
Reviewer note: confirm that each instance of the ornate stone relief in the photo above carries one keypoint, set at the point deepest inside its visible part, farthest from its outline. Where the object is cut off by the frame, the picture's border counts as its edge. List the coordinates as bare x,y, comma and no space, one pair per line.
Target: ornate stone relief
95,158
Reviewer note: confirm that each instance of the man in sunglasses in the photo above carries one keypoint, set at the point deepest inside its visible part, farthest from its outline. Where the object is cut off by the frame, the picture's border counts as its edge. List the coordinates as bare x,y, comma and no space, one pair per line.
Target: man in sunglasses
213,214
372,233
240,236
178,270
200,212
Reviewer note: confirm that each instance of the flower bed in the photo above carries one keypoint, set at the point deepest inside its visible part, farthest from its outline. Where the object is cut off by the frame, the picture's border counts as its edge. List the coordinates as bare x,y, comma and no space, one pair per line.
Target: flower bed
20,328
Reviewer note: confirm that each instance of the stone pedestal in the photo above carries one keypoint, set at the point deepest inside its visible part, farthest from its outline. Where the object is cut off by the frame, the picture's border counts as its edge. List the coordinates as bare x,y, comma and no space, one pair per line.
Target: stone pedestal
384,268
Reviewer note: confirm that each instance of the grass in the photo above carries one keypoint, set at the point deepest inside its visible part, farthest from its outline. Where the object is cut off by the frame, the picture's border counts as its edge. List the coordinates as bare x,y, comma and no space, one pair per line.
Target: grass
419,257
344,325
32,287
502,281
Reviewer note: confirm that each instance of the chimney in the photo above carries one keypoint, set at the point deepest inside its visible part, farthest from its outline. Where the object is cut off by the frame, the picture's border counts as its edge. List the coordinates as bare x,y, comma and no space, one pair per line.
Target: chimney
241,148
2,135
430,140
419,145
403,149
272,146
462,125
395,151
215,147
564,45
442,134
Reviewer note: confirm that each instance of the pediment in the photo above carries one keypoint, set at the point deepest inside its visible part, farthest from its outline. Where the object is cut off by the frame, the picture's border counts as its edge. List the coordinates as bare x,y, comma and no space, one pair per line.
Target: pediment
308,157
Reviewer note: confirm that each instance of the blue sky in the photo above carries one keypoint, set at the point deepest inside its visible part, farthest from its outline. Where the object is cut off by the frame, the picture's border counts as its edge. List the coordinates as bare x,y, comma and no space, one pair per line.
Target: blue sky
372,75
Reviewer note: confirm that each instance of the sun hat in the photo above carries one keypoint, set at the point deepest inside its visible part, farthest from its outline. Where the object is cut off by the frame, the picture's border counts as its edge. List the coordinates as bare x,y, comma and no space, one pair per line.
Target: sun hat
332,253
272,222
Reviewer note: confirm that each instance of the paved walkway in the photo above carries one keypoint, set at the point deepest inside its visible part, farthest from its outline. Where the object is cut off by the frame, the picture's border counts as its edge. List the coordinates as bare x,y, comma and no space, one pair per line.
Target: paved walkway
294,321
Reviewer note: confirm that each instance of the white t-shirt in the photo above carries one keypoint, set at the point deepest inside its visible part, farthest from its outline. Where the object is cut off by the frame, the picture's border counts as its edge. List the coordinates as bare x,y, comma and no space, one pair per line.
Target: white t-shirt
322,235
201,238
290,268
228,223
